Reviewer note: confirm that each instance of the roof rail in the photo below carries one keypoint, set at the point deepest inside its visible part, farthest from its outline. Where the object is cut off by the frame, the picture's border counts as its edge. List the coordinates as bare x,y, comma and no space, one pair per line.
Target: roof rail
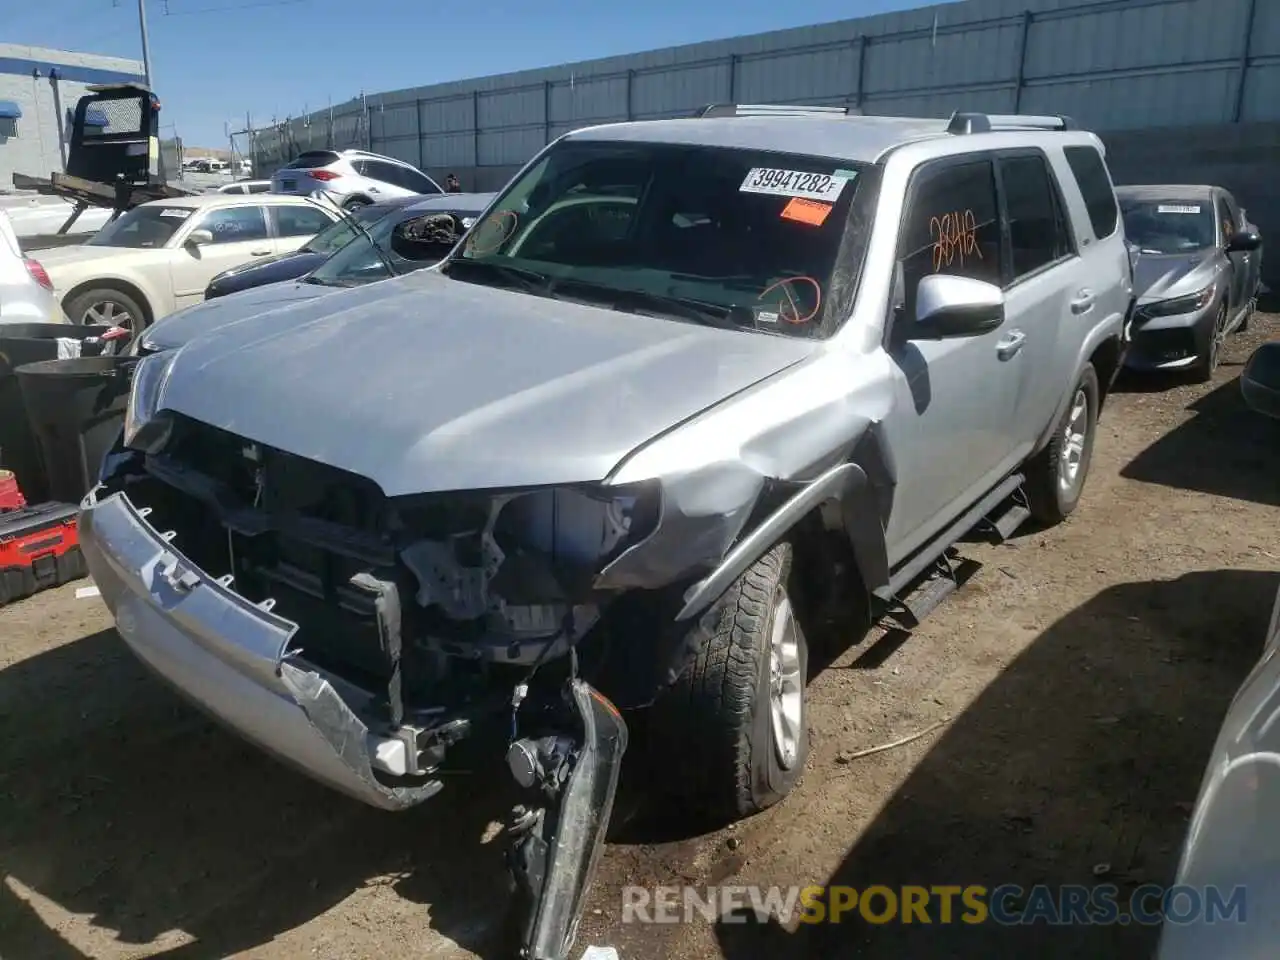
963,123
774,110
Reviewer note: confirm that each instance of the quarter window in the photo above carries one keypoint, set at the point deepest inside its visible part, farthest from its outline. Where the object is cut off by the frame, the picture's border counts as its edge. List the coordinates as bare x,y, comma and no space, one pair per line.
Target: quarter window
1037,233
952,226
1095,186
236,224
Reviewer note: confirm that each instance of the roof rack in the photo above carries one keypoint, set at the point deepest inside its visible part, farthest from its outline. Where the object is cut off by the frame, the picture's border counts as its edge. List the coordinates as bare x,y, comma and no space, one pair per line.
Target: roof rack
963,123
774,110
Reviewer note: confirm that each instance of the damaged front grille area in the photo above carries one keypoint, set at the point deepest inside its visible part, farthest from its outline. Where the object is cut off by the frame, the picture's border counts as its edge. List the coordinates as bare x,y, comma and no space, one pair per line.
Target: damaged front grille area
488,584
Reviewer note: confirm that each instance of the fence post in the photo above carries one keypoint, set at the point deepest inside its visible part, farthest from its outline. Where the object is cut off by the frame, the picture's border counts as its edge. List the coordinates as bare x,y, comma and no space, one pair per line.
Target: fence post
475,129
546,112
733,78
860,79
1020,79
1245,48
631,82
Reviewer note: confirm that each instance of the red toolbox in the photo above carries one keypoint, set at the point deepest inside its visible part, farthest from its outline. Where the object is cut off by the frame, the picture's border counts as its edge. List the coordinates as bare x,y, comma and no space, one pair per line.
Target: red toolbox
39,548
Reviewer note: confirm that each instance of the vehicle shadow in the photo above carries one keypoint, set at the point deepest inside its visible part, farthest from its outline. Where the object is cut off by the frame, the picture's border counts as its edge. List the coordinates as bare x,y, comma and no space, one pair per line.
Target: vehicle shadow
124,805
1225,449
1077,765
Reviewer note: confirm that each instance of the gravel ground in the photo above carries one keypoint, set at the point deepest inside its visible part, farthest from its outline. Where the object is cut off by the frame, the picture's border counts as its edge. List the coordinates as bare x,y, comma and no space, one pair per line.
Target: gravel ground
1078,680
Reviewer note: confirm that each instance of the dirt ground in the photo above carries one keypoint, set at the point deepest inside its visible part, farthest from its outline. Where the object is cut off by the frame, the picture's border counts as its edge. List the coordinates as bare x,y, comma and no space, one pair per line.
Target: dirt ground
1081,675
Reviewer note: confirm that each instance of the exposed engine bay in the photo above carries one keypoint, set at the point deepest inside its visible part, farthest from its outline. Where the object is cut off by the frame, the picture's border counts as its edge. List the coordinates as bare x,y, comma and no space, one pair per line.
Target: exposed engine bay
423,621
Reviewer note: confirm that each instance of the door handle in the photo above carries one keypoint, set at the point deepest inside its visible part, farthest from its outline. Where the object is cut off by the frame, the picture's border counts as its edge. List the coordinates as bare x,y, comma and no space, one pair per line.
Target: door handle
1009,345
1083,302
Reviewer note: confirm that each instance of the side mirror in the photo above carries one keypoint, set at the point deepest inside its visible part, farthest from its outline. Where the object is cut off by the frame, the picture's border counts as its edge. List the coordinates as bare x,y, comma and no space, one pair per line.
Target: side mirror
1260,381
199,237
1243,240
948,306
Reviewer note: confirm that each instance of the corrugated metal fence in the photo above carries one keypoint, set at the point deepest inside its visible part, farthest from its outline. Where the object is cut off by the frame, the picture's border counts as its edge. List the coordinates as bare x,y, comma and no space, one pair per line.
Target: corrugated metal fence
1115,65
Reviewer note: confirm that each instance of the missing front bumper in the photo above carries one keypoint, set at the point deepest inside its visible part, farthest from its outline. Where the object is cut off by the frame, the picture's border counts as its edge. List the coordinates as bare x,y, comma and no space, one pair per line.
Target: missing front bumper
232,657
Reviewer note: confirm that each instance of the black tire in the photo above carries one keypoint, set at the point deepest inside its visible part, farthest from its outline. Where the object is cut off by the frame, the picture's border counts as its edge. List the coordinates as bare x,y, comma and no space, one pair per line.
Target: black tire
1207,363
355,203
78,307
1049,496
712,731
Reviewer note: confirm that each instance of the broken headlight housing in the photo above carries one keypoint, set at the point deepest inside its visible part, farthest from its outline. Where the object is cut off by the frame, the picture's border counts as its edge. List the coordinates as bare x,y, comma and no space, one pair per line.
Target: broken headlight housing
149,379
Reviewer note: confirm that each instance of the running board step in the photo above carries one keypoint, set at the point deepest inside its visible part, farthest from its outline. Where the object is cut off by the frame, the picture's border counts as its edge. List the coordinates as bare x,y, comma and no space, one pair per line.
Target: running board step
909,601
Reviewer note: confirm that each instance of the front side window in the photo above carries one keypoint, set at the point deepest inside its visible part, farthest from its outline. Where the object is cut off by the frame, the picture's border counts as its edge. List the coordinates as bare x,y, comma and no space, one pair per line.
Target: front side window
952,226
1094,181
417,182
142,227
718,236
1037,231
236,224
1170,225
1227,218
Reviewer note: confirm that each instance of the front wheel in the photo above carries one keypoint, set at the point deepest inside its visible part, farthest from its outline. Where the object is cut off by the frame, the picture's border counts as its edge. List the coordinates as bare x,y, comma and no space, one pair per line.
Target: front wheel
107,307
1056,475
1207,364
732,733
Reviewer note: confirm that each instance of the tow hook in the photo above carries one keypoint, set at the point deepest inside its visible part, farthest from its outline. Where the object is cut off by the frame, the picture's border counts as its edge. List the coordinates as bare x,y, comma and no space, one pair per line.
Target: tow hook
556,838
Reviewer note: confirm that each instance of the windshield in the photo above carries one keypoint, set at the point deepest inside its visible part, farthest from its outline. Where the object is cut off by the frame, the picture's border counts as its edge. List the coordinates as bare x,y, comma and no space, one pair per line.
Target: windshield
1169,226
396,236
723,236
339,233
144,226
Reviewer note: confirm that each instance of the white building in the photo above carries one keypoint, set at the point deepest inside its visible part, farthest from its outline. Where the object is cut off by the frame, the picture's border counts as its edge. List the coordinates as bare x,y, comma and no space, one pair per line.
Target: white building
39,89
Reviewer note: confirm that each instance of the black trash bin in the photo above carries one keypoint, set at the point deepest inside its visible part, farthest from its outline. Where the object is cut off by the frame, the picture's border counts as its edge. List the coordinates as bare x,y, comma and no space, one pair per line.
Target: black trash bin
76,408
23,343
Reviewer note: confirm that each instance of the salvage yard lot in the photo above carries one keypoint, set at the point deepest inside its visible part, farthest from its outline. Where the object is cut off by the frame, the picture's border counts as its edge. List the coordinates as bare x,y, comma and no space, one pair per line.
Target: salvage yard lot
1079,679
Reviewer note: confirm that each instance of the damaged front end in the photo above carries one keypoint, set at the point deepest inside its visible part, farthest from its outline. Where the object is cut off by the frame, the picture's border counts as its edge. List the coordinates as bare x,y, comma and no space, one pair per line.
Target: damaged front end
360,638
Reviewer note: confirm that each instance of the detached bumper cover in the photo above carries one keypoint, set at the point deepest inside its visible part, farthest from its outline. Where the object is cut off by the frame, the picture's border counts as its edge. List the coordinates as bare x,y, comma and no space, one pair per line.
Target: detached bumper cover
230,656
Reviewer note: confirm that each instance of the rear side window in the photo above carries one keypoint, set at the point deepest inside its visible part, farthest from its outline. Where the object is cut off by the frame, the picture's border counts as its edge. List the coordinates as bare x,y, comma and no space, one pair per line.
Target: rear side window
952,226
315,158
1037,233
1095,185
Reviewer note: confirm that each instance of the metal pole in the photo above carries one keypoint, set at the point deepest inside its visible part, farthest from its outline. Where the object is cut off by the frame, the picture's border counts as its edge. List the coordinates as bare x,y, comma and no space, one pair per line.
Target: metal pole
146,46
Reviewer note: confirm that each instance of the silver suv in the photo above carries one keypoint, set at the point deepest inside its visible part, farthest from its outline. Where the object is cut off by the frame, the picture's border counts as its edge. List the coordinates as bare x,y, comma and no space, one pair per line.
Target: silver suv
692,396
352,178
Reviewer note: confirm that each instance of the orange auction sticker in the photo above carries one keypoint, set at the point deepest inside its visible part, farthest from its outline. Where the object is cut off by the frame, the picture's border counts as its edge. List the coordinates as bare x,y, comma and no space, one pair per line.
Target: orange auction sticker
811,212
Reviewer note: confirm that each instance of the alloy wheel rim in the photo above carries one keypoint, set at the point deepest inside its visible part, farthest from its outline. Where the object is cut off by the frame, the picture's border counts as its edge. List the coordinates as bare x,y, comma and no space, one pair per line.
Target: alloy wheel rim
107,313
1073,439
786,684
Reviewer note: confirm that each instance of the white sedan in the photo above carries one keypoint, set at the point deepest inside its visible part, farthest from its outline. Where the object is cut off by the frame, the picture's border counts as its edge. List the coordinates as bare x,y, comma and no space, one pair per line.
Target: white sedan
160,256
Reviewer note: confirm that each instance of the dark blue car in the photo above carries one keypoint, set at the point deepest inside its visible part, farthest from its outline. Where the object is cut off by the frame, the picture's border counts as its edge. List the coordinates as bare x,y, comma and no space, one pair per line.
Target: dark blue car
379,218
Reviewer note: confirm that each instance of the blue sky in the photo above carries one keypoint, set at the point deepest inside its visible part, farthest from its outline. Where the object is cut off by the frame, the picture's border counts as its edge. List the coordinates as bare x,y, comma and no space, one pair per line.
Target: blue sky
213,60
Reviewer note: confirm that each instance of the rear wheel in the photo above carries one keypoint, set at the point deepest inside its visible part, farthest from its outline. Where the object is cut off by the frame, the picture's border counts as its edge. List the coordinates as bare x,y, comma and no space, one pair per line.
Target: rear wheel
1056,475
733,731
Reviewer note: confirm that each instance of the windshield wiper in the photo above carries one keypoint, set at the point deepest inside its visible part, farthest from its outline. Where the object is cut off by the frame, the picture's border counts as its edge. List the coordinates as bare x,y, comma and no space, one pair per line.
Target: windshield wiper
528,280
363,231
684,308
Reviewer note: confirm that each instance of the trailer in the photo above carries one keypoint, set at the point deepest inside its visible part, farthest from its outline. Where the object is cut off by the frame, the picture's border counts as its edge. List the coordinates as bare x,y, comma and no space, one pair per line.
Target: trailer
113,160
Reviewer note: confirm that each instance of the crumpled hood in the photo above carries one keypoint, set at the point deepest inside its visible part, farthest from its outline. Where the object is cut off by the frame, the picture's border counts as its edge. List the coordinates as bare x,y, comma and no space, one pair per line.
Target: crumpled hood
178,328
426,384
1162,276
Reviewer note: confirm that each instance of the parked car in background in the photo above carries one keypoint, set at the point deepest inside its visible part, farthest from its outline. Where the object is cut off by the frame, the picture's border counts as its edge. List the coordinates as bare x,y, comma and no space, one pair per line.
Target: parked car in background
381,219
246,186
1196,265
26,292
352,177
160,256
688,391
